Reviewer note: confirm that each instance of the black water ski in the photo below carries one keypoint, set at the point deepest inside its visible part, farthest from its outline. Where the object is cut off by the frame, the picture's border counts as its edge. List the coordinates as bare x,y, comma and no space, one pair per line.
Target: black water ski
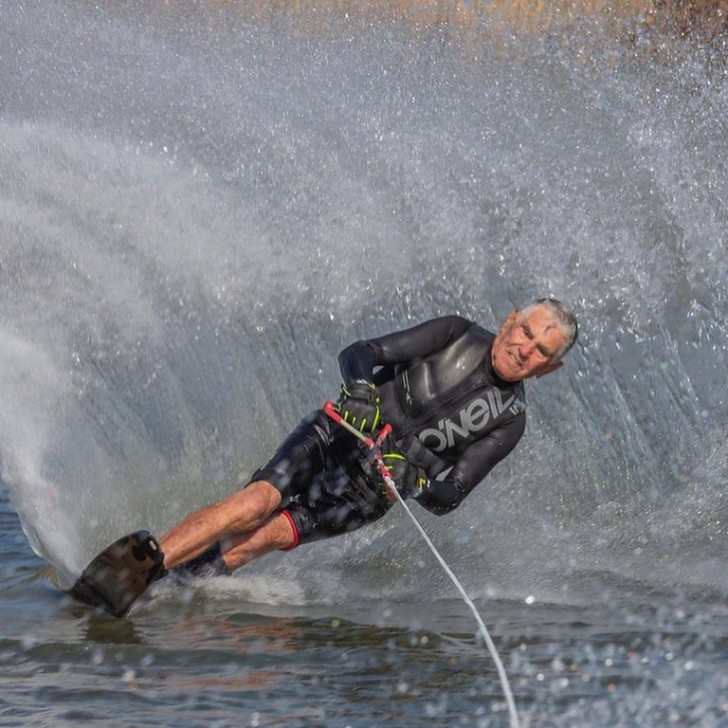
120,574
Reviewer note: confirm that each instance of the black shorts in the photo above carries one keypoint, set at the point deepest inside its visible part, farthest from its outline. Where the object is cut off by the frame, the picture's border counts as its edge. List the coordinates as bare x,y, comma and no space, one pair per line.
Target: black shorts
328,483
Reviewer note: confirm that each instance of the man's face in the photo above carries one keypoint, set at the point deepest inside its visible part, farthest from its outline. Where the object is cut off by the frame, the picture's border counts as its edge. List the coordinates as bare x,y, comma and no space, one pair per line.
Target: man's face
524,346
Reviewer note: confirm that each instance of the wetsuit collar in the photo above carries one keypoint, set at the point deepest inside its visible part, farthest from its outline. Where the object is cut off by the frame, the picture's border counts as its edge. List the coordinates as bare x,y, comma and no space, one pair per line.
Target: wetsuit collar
490,370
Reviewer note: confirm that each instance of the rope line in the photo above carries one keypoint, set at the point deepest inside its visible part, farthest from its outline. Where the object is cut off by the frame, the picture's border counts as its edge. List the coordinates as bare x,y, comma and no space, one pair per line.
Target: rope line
513,713
330,410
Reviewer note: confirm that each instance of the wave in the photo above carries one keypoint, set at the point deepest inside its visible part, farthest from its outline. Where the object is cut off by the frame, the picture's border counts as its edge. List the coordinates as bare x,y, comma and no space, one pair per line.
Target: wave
194,222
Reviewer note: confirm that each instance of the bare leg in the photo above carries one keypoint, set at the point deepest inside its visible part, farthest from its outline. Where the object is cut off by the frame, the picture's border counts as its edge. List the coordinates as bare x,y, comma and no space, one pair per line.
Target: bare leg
238,514
276,533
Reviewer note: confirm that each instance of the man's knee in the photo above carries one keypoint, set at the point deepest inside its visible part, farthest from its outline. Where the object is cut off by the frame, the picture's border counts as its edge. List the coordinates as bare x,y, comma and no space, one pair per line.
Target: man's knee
278,533
253,505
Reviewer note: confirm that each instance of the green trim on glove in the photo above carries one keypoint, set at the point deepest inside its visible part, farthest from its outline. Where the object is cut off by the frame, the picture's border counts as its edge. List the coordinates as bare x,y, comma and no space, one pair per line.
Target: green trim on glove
359,405
408,478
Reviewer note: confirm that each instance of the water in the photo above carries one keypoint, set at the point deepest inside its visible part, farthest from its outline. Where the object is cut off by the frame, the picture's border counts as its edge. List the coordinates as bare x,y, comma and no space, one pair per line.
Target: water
200,207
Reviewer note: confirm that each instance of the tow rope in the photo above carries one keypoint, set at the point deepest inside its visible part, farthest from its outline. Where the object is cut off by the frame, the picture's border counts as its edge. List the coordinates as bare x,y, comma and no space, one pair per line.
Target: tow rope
374,445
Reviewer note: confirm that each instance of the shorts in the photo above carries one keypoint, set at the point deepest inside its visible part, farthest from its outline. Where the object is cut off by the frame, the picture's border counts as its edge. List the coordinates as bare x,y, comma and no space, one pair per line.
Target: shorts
328,483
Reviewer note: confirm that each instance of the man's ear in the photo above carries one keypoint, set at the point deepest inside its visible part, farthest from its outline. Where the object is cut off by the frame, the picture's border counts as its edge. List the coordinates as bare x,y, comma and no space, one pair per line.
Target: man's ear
509,320
550,368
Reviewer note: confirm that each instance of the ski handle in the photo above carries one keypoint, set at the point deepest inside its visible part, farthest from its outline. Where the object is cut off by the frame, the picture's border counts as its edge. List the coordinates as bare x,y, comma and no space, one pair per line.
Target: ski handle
374,445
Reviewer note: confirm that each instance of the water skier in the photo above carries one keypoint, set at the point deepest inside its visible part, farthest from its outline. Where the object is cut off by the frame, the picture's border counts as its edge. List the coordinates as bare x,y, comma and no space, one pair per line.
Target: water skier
454,396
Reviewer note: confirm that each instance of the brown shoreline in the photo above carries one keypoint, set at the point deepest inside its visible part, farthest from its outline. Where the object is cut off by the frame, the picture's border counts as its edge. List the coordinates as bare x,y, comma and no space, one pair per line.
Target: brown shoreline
706,19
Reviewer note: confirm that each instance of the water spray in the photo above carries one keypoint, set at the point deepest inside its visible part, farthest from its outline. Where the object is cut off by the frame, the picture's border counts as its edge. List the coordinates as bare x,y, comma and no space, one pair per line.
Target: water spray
374,446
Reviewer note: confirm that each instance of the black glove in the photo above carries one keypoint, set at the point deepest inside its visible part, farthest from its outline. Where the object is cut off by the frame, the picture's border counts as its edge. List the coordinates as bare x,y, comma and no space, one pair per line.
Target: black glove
359,405
408,478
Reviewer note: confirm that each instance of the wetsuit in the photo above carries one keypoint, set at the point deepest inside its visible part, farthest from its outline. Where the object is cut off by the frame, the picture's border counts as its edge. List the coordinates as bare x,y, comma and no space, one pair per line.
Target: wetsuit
451,415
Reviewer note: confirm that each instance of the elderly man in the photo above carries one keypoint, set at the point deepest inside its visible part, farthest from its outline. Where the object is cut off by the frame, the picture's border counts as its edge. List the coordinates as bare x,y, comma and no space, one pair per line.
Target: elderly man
453,394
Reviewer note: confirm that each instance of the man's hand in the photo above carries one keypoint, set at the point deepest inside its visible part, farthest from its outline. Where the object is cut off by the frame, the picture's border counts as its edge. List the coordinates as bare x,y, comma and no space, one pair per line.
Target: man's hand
408,478
359,405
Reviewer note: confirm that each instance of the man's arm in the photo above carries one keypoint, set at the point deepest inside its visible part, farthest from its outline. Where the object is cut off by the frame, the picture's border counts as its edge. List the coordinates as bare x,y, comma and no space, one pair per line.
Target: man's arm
442,496
359,359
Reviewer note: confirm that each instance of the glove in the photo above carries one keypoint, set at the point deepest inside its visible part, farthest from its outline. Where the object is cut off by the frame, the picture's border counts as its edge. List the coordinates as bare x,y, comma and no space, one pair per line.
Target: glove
408,478
359,405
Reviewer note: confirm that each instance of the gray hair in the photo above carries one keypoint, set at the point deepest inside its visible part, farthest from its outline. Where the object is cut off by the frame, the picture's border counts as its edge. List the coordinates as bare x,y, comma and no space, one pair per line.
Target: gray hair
562,317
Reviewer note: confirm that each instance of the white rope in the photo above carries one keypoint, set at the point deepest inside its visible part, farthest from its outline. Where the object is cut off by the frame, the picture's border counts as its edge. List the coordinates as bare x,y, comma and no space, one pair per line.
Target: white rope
513,713
387,475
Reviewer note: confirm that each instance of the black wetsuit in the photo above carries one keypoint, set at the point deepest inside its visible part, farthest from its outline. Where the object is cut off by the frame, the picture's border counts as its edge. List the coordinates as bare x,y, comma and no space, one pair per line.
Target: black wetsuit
451,416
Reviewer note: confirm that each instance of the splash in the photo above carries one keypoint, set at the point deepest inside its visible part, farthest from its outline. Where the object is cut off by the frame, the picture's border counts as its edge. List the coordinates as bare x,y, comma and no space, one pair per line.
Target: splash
194,222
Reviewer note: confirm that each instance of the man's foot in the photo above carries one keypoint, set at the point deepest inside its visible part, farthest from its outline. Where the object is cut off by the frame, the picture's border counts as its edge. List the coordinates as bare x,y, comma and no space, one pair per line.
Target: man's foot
208,563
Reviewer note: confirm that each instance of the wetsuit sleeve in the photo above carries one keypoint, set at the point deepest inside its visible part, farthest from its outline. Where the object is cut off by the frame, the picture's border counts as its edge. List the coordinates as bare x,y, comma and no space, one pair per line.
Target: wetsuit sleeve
359,360
443,496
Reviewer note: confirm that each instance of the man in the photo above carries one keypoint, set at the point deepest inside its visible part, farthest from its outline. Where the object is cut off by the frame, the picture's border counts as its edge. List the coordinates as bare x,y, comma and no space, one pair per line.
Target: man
453,394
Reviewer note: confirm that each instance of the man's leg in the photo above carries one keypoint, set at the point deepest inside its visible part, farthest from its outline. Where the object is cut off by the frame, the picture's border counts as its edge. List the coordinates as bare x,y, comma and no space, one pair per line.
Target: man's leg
236,515
293,467
274,535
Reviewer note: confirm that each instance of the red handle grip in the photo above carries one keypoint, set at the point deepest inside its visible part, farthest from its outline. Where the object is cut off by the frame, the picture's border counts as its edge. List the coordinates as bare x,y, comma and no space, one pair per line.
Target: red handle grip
331,412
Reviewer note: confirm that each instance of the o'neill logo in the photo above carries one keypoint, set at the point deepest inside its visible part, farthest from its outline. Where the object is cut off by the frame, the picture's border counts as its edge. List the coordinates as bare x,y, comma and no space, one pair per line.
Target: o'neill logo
471,419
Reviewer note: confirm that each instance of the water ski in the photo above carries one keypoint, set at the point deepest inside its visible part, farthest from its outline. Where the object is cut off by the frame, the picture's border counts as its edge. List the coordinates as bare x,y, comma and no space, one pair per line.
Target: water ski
120,574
